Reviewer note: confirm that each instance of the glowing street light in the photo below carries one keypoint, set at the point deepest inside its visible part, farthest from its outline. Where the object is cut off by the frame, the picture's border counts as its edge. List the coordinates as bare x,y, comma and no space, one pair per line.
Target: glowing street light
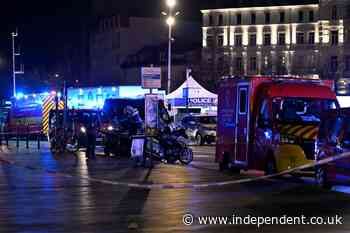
170,22
171,3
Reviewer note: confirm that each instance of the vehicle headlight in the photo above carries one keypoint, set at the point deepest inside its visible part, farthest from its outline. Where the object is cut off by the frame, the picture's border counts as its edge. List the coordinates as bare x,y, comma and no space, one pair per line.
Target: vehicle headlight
83,129
110,128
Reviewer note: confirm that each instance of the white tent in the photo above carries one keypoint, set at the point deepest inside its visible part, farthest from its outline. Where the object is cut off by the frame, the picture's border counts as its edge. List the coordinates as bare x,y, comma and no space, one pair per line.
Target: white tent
192,95
195,90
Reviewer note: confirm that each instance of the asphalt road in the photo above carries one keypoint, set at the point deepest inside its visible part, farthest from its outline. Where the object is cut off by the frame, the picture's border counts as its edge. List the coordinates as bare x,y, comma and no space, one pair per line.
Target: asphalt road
32,200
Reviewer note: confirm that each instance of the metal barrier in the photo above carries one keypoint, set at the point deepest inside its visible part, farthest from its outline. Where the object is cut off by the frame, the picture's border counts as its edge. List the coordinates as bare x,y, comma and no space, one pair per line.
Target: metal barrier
18,137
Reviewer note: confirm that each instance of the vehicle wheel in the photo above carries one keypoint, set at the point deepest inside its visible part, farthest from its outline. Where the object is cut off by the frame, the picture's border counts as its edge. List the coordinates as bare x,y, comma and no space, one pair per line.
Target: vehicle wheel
186,156
270,168
321,178
235,170
199,140
171,160
106,151
223,165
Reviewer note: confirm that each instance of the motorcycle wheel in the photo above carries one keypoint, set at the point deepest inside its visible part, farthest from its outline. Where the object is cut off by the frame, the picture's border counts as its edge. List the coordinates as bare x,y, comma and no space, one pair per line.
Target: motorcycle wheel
171,159
186,156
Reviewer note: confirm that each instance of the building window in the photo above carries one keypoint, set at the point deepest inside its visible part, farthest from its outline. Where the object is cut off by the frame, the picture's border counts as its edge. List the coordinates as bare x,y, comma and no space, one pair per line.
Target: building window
334,13
300,38
267,39
334,63
282,17
281,38
221,40
211,23
238,40
347,63
239,64
253,18
210,41
301,16
267,17
239,19
252,64
311,38
311,16
221,20
334,38
252,39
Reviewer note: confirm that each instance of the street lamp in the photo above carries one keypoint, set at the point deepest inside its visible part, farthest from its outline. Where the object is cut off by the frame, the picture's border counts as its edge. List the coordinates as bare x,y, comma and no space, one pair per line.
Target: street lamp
171,3
170,21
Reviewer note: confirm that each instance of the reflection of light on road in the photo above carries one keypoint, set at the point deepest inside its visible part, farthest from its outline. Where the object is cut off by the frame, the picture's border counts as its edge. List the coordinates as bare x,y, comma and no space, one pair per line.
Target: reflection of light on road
168,204
85,198
342,189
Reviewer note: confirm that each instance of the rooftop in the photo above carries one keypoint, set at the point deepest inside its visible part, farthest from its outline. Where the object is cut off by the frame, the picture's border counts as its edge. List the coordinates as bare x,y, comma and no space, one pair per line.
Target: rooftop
259,3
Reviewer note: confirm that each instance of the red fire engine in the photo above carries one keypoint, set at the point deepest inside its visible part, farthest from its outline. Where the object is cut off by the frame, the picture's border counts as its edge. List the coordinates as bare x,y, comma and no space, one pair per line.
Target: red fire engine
270,124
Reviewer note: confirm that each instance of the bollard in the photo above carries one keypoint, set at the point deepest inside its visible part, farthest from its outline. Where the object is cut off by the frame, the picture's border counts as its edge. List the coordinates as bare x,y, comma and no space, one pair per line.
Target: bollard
38,138
17,138
27,137
7,139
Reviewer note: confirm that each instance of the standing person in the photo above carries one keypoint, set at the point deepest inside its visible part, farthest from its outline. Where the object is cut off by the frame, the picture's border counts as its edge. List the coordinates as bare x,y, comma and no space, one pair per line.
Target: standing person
91,138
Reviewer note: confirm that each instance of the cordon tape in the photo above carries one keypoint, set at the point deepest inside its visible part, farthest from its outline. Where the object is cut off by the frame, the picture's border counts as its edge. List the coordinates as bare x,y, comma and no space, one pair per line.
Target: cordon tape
178,185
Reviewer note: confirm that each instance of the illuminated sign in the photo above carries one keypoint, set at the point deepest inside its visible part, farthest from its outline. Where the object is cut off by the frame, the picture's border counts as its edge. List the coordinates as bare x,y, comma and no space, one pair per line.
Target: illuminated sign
151,77
195,102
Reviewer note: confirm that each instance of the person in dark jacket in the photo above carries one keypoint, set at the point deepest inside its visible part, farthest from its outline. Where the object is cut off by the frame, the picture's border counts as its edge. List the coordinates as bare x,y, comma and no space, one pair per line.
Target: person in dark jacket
91,132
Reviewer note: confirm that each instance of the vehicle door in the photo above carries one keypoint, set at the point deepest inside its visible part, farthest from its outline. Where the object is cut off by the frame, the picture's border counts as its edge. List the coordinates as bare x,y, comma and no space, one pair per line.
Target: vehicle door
343,166
335,147
263,131
242,123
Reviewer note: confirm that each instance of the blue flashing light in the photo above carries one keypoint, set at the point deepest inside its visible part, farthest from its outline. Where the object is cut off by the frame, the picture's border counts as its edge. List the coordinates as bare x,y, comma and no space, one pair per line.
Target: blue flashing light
26,97
46,93
99,91
114,89
19,95
34,95
59,95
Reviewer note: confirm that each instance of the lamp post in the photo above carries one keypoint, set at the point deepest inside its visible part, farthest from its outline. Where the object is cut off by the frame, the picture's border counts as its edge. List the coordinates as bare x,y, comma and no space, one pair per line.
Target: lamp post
170,21
14,34
14,55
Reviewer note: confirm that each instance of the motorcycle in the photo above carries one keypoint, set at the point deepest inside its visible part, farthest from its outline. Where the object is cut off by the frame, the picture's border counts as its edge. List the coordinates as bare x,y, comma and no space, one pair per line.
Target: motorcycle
169,147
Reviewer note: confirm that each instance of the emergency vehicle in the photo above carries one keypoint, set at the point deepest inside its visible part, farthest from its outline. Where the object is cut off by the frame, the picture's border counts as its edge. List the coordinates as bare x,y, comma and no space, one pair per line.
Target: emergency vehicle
270,123
30,113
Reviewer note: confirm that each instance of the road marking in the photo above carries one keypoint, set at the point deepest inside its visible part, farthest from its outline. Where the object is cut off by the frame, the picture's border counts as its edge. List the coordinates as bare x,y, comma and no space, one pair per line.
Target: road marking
177,185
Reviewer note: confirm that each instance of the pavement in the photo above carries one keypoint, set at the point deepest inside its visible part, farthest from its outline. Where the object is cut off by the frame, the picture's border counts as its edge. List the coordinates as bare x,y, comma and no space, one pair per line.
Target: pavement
36,196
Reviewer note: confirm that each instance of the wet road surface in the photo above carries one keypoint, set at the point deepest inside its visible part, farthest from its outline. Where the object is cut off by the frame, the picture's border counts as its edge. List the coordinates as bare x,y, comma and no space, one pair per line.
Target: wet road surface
32,200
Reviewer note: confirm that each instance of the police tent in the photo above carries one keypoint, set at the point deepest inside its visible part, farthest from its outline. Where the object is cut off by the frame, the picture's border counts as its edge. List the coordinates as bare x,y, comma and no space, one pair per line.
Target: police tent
191,97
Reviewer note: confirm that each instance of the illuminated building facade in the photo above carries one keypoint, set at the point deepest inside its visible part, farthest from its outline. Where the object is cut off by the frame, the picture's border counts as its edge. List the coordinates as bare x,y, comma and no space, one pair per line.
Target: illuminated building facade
286,38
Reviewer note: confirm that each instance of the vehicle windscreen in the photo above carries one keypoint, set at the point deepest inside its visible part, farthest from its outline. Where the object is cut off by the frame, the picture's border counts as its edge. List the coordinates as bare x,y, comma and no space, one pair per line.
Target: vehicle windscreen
306,110
208,120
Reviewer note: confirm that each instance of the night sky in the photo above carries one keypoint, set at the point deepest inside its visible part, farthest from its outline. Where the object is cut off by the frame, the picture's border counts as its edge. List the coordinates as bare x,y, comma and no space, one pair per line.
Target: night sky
45,25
